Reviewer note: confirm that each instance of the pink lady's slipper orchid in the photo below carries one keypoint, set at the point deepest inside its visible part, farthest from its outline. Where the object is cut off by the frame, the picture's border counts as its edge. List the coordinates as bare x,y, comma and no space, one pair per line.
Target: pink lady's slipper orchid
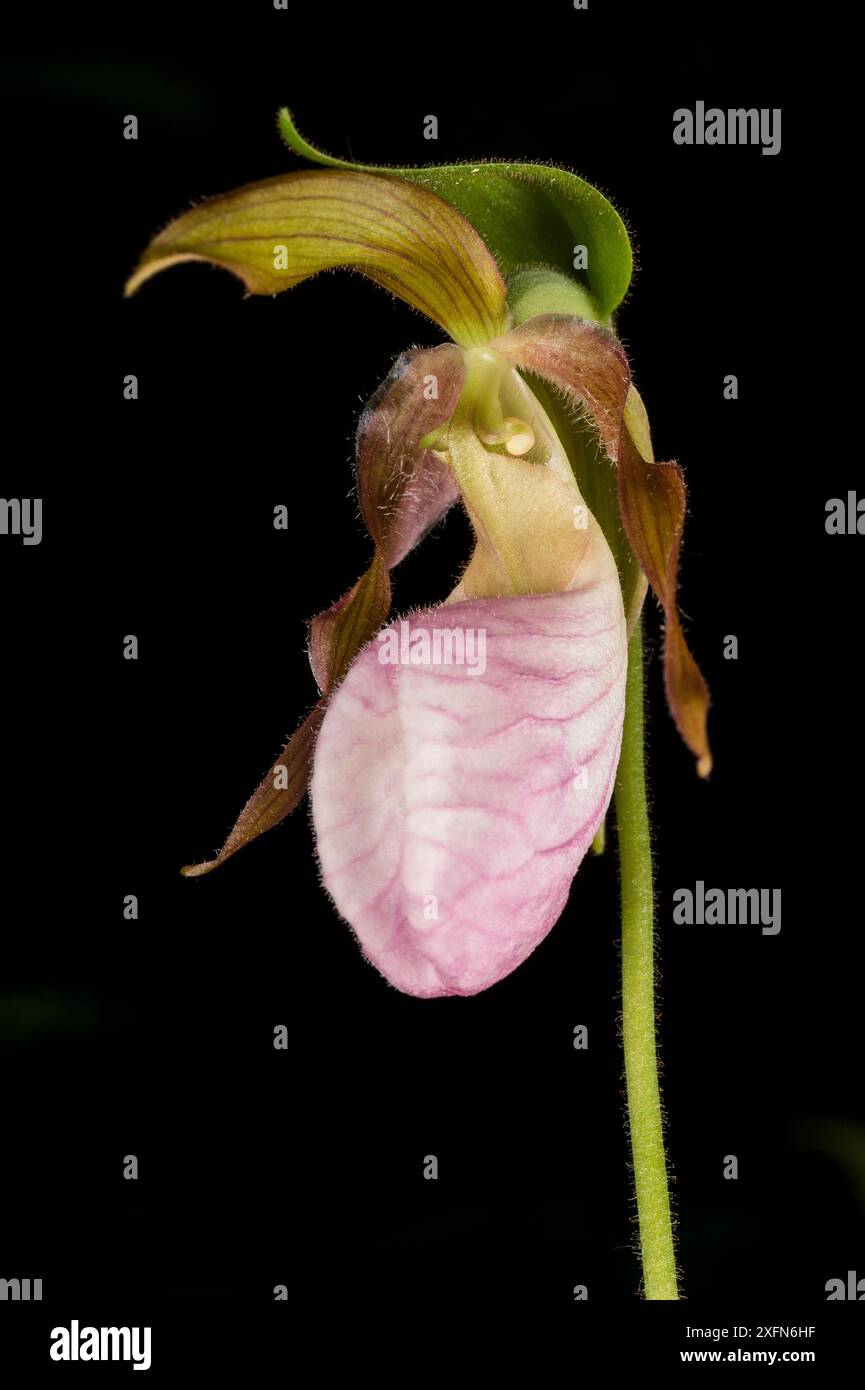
461,759
454,803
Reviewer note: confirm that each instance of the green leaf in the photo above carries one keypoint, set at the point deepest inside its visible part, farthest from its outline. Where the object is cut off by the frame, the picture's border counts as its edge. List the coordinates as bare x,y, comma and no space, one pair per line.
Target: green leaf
277,232
528,214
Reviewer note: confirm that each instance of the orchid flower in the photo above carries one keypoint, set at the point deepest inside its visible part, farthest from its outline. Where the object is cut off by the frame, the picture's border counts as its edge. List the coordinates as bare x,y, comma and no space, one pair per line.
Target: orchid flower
461,759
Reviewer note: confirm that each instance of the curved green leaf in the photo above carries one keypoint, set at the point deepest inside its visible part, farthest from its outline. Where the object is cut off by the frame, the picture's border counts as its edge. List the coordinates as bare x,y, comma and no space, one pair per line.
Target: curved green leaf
280,231
528,214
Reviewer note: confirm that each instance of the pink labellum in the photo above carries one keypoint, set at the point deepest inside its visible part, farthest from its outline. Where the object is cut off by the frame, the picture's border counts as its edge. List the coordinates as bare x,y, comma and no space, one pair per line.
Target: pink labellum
461,772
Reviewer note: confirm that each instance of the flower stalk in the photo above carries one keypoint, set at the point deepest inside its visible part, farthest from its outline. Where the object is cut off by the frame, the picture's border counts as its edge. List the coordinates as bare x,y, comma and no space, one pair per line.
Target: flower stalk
645,1113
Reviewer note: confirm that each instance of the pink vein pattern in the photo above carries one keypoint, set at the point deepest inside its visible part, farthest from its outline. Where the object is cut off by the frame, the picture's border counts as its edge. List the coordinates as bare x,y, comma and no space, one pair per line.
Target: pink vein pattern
453,810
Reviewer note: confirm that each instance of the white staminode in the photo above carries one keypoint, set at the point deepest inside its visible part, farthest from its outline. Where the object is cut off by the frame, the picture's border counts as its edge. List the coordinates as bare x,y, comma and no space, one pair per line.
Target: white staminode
519,437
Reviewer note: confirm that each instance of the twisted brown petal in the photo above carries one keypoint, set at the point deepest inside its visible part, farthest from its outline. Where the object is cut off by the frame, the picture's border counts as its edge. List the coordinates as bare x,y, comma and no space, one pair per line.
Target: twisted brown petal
652,501
403,490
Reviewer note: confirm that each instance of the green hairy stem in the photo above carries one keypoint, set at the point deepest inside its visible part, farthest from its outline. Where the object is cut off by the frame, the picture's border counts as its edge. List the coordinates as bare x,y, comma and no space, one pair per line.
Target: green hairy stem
645,1116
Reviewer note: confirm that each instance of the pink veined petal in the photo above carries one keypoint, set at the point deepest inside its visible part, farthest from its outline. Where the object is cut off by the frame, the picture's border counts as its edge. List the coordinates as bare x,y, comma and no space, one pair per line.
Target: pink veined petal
453,810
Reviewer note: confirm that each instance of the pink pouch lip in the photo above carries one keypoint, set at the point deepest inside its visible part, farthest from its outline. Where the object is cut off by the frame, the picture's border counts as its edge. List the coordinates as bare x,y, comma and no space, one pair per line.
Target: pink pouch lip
452,809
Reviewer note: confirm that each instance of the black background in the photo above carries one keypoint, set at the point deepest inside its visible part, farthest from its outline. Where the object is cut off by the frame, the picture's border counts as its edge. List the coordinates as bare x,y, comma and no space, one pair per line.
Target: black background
154,1037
